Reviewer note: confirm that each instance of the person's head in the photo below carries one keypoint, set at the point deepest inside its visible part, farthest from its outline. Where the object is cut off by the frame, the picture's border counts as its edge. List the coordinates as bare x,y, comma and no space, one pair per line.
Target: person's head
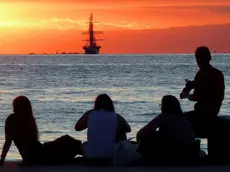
22,106
104,102
170,104
203,56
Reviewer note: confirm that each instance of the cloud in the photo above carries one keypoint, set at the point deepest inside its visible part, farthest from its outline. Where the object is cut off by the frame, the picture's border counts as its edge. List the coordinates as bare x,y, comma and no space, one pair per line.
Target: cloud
121,3
217,8
68,24
18,23
53,23
117,14
65,23
220,9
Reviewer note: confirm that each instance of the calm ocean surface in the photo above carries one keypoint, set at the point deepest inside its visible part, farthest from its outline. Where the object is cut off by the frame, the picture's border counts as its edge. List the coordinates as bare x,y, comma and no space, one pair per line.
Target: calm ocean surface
62,87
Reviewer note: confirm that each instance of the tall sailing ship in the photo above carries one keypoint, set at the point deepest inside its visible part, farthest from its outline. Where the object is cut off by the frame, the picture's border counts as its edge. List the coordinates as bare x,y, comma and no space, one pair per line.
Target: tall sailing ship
91,46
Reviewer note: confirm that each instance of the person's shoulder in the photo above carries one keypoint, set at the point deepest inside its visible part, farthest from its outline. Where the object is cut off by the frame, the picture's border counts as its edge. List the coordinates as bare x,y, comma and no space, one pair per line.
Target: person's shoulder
198,74
89,112
163,116
120,117
217,72
10,118
118,114
215,69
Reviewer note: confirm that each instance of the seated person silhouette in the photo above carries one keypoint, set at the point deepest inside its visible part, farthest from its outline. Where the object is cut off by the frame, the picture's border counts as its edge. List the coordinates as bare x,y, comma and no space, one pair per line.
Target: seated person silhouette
105,129
208,93
175,138
21,128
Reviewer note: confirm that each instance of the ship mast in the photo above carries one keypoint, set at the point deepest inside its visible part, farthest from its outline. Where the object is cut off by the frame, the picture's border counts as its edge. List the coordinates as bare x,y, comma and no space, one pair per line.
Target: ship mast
91,34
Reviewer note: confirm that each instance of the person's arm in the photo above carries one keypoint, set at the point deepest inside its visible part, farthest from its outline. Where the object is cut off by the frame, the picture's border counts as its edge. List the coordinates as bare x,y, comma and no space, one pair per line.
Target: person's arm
149,128
7,144
190,84
123,125
198,86
82,122
188,87
193,97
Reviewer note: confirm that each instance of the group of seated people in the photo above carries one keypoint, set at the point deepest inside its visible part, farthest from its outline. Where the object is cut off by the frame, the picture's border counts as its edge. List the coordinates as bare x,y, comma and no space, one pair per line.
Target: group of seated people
106,129
169,136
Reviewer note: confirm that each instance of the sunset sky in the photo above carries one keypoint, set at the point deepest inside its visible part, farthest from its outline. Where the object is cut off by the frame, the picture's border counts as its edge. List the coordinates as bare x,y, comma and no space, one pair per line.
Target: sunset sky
55,25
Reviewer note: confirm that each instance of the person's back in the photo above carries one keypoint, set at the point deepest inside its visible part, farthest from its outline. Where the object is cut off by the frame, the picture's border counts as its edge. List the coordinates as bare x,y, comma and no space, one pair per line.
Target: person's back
175,137
210,91
178,137
25,139
21,128
176,129
102,127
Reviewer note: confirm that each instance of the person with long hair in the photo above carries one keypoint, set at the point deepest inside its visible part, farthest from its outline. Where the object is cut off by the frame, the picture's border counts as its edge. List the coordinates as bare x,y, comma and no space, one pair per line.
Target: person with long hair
21,128
105,128
168,134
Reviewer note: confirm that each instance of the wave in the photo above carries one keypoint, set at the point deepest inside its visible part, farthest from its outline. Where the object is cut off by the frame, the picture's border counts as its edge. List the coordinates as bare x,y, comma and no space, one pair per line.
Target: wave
64,101
131,101
72,92
87,101
50,132
147,114
138,121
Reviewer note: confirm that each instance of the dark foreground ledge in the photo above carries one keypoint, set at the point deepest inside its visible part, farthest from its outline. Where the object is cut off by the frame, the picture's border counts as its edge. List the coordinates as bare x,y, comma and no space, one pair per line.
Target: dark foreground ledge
219,151
13,167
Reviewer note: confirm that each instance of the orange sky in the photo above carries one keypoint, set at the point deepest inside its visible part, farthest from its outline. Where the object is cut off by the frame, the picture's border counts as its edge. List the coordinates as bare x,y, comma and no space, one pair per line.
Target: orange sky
56,25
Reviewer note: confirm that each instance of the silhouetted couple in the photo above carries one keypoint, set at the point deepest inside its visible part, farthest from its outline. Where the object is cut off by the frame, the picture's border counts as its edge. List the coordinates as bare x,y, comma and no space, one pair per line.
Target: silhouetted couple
177,130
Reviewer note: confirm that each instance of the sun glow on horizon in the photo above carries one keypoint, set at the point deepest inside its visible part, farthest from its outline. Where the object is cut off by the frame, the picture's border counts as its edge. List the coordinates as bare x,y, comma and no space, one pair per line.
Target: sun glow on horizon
42,22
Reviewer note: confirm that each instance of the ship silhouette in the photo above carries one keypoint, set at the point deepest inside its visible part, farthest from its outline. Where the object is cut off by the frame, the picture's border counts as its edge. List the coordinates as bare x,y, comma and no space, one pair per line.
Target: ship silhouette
91,46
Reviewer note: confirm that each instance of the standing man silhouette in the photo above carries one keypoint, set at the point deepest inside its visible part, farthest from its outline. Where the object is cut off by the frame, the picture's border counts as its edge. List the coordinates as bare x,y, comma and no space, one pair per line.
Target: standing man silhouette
208,86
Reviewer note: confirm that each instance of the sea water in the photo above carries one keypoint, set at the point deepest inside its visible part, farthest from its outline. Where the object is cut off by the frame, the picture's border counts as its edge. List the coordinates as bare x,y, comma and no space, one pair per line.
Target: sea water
62,87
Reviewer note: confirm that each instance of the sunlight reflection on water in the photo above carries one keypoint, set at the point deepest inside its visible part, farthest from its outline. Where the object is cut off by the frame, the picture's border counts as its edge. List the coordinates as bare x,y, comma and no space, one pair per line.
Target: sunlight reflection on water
62,88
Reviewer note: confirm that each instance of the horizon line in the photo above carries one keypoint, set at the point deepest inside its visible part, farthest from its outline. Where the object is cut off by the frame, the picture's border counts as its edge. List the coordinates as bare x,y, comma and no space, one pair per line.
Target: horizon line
35,54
